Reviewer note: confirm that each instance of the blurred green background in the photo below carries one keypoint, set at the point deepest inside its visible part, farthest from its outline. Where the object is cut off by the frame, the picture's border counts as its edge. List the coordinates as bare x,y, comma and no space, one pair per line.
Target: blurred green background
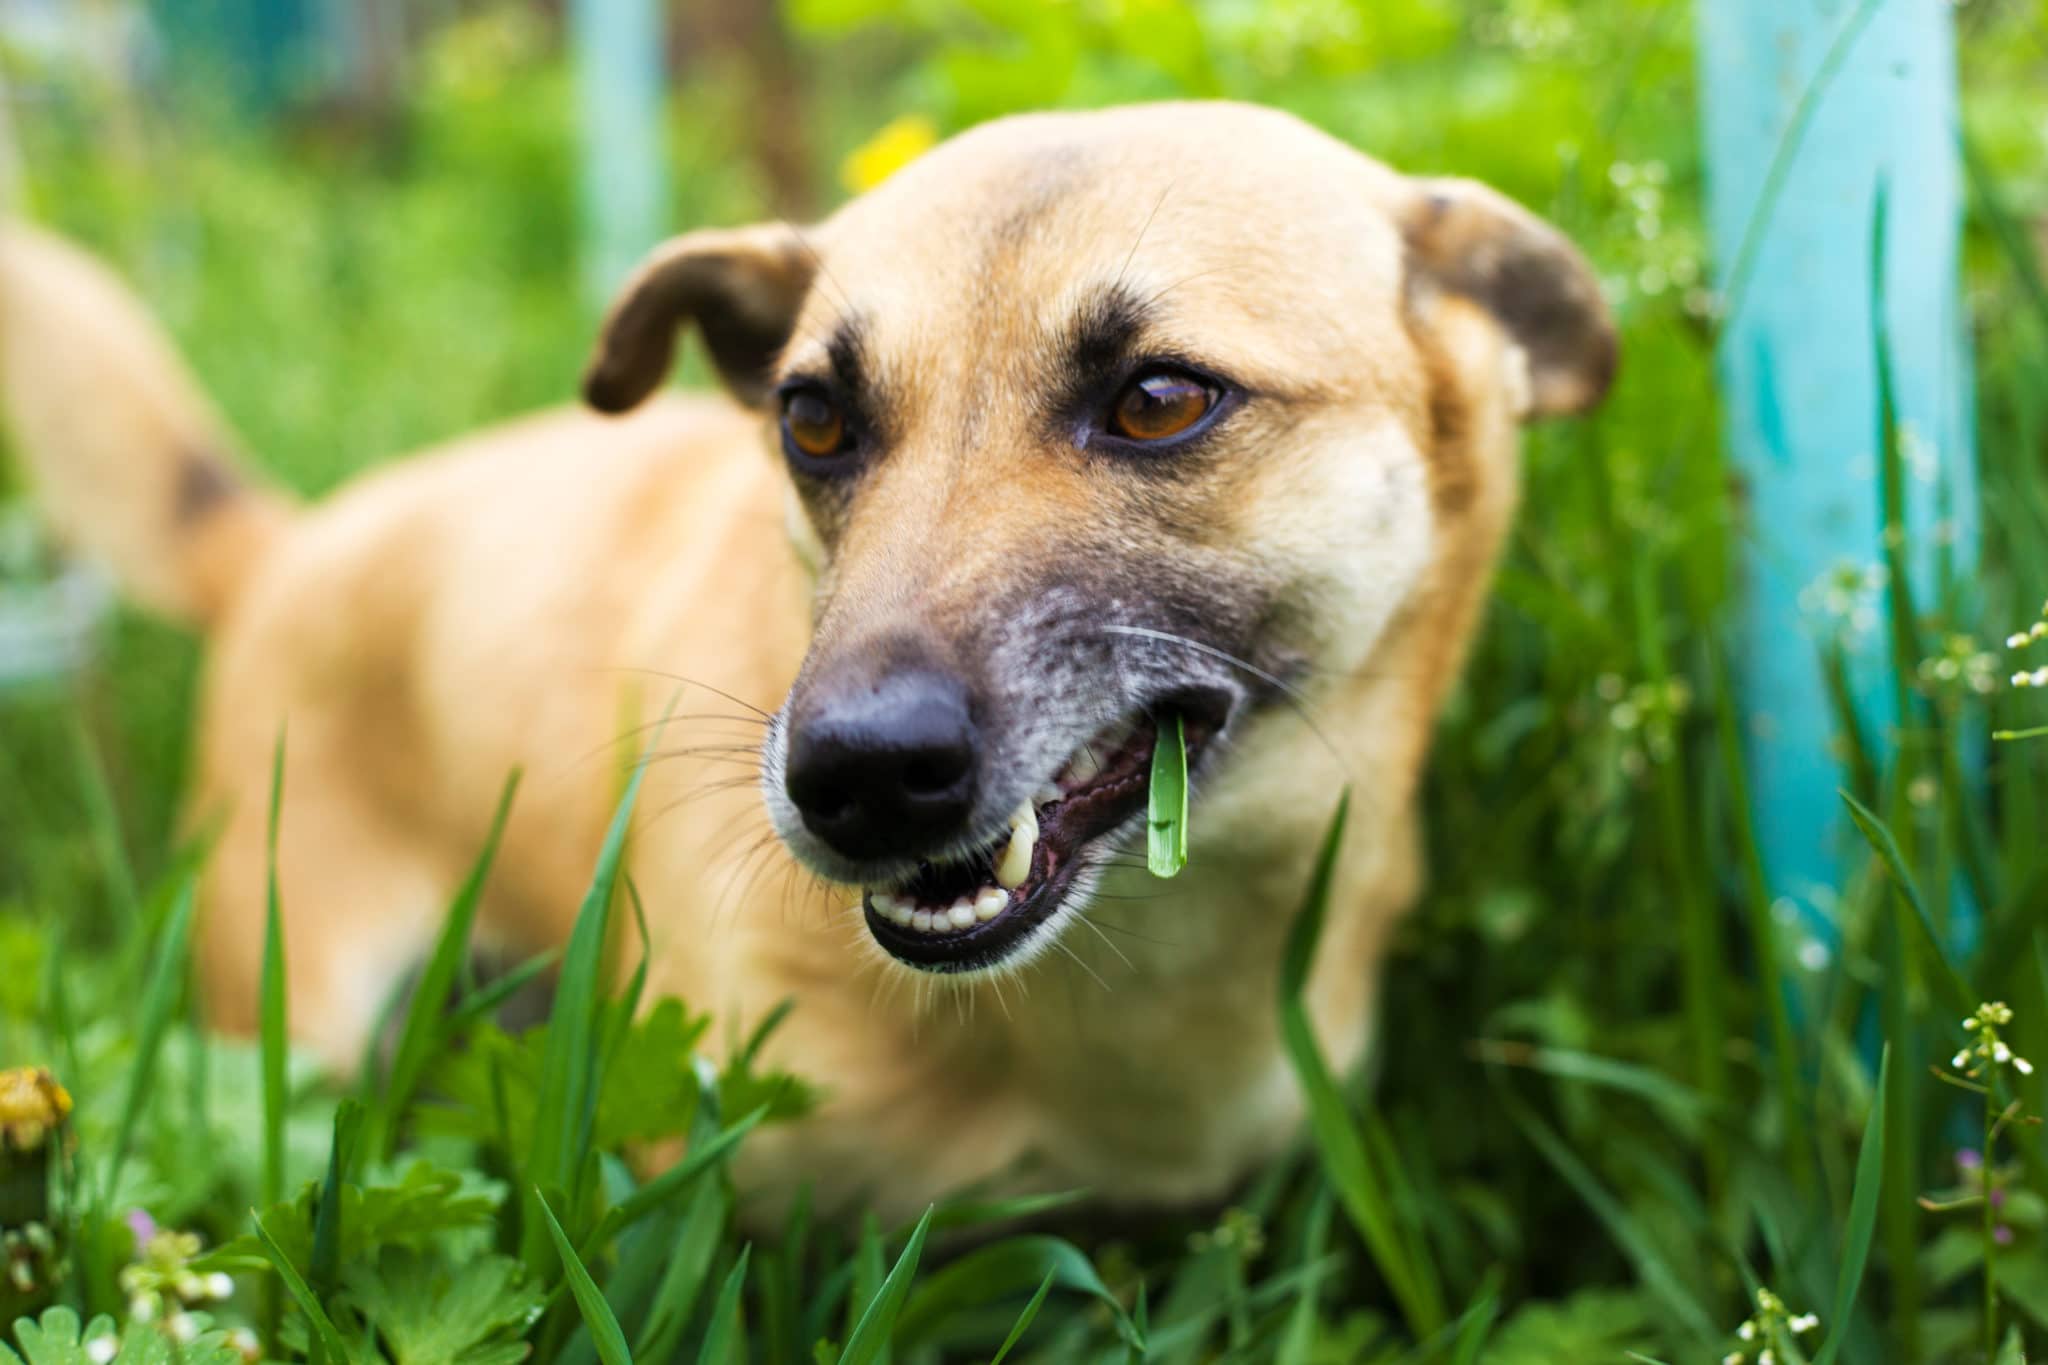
363,256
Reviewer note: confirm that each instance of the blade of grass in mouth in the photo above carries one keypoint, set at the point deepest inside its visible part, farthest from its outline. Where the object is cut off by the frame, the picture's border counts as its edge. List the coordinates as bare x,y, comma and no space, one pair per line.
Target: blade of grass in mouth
1166,845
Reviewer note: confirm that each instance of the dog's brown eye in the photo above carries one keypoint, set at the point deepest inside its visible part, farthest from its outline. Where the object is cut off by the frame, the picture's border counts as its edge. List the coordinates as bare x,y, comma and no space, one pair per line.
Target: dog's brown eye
1160,404
815,425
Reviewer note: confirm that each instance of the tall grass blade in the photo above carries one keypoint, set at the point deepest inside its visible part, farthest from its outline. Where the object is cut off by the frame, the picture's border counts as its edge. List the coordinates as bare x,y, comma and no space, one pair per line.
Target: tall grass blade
423,1031
590,1301
159,1004
570,1070
1862,1224
670,1182
871,1334
1025,1319
1956,994
1650,1265
326,1339
1361,1189
998,1271
1298,1344
273,1006
324,1274
689,1261
721,1335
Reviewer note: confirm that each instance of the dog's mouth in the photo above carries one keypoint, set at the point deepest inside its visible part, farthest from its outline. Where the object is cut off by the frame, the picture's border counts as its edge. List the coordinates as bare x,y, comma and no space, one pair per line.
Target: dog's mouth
975,912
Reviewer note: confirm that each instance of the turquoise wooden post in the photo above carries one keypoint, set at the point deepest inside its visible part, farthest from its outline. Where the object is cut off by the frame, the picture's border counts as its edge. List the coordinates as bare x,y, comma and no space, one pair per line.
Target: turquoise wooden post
1810,105
618,56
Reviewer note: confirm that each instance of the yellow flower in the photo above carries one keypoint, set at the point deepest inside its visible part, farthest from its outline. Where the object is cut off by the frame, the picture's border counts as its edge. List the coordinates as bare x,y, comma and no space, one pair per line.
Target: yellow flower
900,142
31,1104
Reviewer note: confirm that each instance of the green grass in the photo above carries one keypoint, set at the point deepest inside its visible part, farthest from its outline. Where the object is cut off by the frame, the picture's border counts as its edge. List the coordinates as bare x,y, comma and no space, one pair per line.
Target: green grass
1617,1091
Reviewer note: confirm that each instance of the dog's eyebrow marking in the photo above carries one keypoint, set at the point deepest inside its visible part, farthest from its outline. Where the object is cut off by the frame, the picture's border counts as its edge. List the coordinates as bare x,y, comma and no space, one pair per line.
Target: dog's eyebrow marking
847,350
1103,331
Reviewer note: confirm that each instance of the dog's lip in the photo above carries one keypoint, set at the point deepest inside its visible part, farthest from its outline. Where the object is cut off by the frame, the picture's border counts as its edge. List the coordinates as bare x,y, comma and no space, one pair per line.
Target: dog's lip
1081,815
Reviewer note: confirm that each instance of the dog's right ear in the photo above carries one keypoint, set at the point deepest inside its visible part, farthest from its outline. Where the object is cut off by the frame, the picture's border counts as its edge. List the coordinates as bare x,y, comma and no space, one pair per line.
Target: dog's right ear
743,286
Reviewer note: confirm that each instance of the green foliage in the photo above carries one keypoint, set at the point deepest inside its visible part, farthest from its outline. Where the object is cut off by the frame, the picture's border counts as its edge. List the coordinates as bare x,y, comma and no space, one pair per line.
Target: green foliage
429,1312
57,1339
1619,1088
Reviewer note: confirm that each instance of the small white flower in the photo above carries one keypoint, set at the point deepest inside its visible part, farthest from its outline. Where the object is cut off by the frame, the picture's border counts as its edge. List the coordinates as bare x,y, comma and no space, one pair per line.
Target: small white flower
2023,1066
1970,1024
102,1349
245,1344
1766,1357
1961,1060
220,1285
1805,1322
2000,1053
1747,1331
183,1327
142,1308
1732,1358
2016,640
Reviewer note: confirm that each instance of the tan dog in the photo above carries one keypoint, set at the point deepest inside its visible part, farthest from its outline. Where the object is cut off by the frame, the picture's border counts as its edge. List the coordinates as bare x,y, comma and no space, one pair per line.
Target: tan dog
1080,421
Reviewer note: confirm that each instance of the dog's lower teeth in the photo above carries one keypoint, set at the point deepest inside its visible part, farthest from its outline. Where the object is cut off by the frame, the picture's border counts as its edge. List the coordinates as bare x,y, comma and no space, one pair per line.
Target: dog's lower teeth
964,913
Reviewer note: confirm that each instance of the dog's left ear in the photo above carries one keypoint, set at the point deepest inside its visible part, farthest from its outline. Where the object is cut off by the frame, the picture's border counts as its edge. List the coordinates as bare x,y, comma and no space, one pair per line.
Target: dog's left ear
742,286
1467,239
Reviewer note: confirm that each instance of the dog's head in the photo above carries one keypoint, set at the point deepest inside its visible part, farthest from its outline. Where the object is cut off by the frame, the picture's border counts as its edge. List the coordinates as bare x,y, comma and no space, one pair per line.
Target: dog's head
1094,420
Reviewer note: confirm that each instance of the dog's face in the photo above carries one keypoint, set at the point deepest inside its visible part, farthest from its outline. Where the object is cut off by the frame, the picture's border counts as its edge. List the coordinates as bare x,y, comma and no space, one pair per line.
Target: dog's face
1094,420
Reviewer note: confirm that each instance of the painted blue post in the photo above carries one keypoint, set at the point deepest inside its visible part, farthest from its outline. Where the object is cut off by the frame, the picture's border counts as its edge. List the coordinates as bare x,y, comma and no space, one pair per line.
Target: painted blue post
1810,106
618,56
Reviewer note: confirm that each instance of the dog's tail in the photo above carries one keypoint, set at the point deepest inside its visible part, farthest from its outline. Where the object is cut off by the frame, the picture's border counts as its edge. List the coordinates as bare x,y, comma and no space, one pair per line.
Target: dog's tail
131,464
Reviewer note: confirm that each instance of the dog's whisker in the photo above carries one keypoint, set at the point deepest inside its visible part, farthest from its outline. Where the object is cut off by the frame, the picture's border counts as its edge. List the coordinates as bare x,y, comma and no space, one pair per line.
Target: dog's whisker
1090,925
690,682
1288,692
1144,228
1076,960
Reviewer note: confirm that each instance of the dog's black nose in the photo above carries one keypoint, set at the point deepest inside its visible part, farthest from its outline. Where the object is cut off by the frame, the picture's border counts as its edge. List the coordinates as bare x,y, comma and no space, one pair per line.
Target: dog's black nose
885,768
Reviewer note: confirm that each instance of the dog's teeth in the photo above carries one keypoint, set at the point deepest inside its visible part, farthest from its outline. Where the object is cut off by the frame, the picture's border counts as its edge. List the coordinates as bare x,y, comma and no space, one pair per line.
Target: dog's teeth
900,914
962,913
1045,795
1015,863
883,902
990,903
922,921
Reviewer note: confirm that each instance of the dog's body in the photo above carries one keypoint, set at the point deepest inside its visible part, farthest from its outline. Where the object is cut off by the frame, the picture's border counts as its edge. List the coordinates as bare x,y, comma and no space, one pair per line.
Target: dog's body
531,595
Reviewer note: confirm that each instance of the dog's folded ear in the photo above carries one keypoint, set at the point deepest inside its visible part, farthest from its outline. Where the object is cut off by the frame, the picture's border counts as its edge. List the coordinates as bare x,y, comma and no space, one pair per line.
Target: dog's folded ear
742,286
1467,239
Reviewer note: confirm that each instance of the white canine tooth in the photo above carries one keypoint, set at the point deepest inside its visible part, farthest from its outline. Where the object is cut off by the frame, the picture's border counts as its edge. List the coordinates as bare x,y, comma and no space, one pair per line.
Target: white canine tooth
899,913
1083,767
882,901
922,920
1015,863
1045,795
962,913
1025,817
990,902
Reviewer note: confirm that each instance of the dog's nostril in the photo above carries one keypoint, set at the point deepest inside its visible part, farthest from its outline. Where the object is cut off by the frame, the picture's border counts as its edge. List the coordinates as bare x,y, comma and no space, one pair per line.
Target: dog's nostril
885,769
933,774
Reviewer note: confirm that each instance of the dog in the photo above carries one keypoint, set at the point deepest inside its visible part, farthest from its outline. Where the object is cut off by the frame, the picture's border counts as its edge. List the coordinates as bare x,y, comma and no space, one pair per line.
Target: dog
1079,424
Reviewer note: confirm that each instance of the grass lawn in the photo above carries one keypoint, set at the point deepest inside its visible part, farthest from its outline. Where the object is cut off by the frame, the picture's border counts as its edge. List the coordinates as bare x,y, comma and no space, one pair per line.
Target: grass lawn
1624,1100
